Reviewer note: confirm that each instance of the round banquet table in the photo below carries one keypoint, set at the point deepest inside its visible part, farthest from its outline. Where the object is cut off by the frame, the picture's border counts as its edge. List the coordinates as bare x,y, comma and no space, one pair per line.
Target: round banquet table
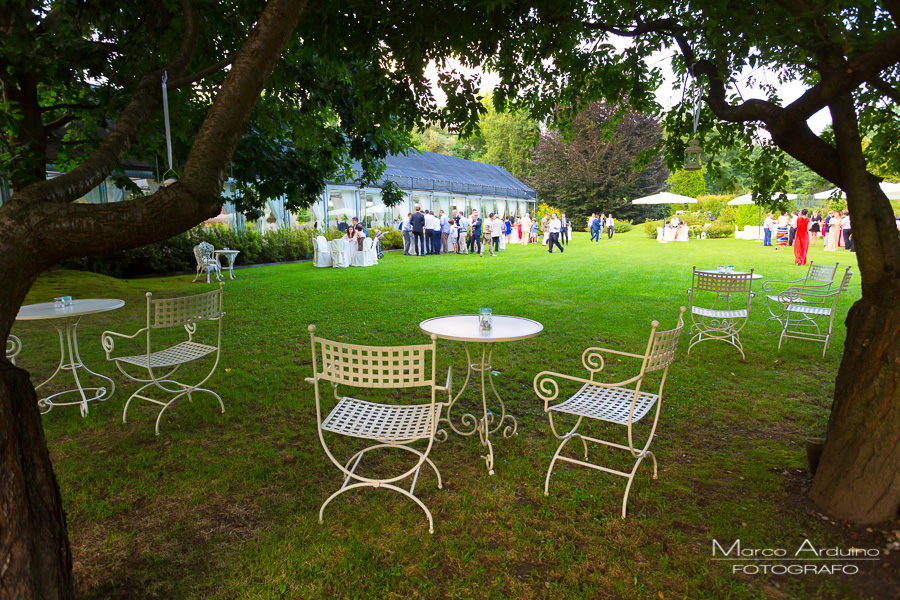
465,329
65,320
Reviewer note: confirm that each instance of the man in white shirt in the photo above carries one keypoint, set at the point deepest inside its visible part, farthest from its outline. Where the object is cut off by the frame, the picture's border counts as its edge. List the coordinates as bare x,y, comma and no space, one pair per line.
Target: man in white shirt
768,227
464,225
435,234
848,239
497,229
487,230
553,227
564,229
406,230
610,226
793,225
429,232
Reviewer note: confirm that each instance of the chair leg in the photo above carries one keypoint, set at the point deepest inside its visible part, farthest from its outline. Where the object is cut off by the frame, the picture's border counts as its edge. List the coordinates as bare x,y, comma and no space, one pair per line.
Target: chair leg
553,462
376,485
631,479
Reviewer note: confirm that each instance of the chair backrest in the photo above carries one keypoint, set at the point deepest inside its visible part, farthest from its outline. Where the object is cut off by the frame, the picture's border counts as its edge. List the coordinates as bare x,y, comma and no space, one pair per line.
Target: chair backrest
662,346
322,243
821,273
845,282
204,252
373,366
338,246
184,310
724,283
369,244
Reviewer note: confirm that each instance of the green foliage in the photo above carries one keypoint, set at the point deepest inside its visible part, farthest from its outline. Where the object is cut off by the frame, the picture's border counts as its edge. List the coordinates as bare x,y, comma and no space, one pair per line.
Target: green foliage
719,230
650,227
687,183
749,214
623,226
509,139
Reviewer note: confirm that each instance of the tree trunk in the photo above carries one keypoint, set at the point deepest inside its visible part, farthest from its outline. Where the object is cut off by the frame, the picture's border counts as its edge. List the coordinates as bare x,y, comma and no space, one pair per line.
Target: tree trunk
35,557
858,478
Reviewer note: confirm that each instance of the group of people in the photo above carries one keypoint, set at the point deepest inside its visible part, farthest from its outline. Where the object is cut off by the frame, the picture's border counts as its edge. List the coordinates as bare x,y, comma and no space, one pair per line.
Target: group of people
427,234
355,232
597,224
798,228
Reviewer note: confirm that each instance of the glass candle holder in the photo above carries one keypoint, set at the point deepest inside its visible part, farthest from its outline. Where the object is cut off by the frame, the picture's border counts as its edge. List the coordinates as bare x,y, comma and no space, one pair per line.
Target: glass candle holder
67,300
59,302
730,269
485,321
721,269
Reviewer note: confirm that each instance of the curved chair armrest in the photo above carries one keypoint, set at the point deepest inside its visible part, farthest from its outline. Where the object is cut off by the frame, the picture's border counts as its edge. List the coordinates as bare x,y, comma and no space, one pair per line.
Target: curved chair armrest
448,386
310,380
109,344
547,389
591,356
768,285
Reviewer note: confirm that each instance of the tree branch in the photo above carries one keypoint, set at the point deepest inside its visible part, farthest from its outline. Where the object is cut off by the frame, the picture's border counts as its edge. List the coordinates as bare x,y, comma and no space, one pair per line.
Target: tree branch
188,79
68,106
885,88
58,123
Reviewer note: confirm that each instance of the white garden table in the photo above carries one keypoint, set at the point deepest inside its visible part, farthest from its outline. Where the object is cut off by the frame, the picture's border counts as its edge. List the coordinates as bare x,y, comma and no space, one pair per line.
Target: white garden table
230,255
65,321
465,329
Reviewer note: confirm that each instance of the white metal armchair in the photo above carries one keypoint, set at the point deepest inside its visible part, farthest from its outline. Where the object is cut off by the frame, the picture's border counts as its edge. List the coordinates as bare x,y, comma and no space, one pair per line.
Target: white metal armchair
321,253
386,426
809,312
13,347
622,403
711,297
204,252
818,279
161,365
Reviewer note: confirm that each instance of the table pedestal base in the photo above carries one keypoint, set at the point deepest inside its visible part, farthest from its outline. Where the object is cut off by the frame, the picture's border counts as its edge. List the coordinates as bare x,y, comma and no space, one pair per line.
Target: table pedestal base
490,423
70,360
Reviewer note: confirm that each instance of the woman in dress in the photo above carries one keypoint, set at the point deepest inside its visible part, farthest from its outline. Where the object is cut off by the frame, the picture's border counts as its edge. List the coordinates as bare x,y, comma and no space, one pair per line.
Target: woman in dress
507,228
834,232
815,223
801,238
526,229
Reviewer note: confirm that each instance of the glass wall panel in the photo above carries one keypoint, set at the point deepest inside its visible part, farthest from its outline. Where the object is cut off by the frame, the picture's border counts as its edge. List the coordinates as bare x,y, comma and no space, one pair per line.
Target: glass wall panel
442,203
501,207
341,208
377,214
461,203
474,204
422,199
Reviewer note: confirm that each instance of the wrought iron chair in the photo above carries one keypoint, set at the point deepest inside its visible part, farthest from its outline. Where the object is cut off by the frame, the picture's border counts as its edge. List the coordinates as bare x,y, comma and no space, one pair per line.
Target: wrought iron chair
804,307
622,403
818,279
719,322
321,253
161,365
386,426
13,347
204,252
340,257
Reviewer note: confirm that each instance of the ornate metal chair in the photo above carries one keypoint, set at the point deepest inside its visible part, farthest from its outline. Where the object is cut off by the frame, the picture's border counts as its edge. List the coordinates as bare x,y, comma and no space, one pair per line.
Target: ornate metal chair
805,307
818,279
622,403
161,365
204,252
13,347
719,322
384,426
321,253
340,257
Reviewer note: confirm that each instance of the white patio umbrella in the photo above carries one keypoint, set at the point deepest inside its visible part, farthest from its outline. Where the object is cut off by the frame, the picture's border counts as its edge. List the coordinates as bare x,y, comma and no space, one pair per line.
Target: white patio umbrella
665,198
748,199
891,190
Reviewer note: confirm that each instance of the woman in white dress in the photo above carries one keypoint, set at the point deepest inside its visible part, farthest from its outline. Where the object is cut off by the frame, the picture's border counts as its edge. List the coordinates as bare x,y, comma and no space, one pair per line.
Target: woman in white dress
526,229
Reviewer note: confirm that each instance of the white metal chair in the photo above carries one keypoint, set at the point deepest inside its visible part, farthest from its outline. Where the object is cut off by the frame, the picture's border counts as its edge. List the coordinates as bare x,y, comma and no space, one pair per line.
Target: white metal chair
368,257
13,347
622,403
386,426
719,322
321,253
805,307
204,252
161,365
340,257
818,279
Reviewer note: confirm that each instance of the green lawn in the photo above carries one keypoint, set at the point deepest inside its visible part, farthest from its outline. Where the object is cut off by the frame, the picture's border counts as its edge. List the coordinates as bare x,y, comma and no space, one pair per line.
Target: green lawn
226,506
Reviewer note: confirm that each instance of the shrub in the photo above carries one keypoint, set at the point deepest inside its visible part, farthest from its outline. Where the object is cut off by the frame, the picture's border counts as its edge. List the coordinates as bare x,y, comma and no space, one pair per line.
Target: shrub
624,226
719,230
650,228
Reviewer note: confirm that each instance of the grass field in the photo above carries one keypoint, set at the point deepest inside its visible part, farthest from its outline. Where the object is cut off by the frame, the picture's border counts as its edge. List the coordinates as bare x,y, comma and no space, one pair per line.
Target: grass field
226,505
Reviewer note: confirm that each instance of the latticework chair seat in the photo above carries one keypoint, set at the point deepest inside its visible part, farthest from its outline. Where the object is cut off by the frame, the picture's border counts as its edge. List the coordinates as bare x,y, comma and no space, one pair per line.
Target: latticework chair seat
384,422
176,355
607,404
806,309
719,314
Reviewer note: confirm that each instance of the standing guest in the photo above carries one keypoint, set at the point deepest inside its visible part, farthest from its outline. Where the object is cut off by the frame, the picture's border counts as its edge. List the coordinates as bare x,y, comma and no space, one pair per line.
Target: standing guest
610,226
553,227
768,226
435,234
544,221
833,227
801,238
455,216
429,227
406,230
848,237
534,232
464,225
564,229
793,228
783,219
487,228
454,235
497,230
594,226
354,226
815,222
507,228
475,233
445,232
418,230
526,229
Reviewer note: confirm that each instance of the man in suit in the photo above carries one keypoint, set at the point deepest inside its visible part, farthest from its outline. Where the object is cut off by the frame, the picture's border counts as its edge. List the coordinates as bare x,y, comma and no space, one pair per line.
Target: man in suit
475,229
417,221
564,229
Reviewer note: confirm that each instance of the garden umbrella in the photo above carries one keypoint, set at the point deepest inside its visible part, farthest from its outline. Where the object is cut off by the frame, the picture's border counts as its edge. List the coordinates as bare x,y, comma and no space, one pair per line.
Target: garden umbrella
891,190
748,199
665,198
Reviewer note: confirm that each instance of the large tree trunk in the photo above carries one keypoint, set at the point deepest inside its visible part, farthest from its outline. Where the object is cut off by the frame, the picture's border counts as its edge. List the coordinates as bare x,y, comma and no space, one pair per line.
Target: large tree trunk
858,478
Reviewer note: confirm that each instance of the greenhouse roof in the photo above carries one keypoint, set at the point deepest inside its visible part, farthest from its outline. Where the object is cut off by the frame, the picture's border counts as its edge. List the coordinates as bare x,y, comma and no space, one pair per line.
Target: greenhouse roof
427,171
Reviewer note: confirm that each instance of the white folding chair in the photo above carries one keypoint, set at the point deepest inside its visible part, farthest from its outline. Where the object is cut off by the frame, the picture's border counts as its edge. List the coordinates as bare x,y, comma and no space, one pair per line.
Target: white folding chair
204,252
622,403
805,307
385,426
340,258
161,365
321,253
779,293
13,347
711,296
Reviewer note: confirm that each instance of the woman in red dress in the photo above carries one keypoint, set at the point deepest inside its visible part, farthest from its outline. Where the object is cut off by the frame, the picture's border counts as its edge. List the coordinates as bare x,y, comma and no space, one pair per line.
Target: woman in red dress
801,239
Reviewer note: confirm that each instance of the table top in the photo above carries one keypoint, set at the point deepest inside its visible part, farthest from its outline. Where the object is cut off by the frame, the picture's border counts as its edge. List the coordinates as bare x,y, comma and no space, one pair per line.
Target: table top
46,310
465,328
755,276
235,252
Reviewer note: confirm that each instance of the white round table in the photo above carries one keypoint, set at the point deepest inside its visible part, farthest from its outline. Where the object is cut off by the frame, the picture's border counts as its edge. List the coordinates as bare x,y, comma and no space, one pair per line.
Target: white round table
67,319
753,277
466,329
230,255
